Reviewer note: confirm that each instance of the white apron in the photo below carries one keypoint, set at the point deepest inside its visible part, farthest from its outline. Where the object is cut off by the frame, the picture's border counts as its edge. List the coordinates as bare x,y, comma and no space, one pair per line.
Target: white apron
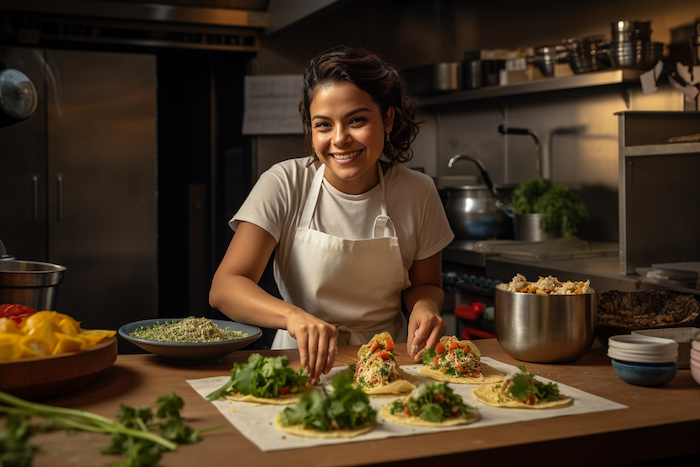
354,285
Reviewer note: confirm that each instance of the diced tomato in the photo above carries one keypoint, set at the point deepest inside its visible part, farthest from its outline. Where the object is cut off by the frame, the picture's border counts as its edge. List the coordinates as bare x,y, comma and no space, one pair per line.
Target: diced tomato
466,349
384,355
283,391
389,344
16,312
454,345
374,345
459,368
440,348
437,398
435,360
406,410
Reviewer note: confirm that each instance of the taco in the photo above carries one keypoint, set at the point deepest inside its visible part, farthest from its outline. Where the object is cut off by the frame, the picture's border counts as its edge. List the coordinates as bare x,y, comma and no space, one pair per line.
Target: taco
377,372
264,380
457,361
521,390
434,405
343,412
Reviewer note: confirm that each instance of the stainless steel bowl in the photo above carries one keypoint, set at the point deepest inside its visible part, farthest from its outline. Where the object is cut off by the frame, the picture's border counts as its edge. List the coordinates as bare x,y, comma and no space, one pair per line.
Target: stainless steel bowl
545,328
30,283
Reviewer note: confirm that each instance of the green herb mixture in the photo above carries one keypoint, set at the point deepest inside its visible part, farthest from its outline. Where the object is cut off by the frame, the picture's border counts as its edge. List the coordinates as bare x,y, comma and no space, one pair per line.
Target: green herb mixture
345,407
432,403
188,329
563,209
137,435
263,377
524,387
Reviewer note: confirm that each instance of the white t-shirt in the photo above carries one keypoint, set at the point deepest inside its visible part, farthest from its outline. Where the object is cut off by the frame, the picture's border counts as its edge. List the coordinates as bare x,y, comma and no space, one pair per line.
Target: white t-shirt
413,204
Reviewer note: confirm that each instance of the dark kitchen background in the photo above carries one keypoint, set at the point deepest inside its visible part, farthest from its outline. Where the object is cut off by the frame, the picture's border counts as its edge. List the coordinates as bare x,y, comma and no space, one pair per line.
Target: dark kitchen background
135,160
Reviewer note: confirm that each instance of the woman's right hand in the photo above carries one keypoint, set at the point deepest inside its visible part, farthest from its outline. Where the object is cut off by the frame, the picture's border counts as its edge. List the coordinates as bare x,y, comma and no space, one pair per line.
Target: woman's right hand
317,342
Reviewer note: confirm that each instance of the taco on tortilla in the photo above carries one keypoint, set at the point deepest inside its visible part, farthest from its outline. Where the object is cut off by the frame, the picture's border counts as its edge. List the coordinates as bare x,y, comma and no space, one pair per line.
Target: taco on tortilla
433,405
377,372
264,380
343,412
457,361
521,390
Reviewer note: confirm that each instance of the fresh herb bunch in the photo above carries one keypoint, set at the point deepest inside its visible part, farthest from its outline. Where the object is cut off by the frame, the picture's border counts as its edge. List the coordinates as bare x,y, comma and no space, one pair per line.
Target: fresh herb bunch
345,407
432,403
132,435
525,384
263,377
562,208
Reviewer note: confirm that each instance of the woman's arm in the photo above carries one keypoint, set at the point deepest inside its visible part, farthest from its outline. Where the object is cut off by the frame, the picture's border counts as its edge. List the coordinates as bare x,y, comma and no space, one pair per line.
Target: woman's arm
235,292
424,300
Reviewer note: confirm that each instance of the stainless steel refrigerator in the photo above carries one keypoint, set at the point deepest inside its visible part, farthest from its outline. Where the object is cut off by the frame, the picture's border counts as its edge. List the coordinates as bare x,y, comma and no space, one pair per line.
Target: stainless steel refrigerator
78,181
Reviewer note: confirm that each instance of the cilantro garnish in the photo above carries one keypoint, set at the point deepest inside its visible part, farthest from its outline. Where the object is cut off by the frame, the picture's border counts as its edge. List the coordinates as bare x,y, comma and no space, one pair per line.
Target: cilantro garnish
432,403
263,377
525,384
346,407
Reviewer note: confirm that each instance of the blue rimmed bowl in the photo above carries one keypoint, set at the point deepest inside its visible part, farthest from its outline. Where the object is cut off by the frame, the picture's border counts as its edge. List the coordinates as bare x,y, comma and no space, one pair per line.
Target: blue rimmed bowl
190,353
645,374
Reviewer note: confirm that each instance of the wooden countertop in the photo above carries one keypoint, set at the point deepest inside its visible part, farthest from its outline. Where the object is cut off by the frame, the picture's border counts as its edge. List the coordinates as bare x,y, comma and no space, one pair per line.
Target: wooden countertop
660,423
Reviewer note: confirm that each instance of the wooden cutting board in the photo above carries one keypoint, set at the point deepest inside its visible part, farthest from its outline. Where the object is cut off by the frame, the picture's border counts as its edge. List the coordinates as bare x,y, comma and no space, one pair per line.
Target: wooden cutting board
42,378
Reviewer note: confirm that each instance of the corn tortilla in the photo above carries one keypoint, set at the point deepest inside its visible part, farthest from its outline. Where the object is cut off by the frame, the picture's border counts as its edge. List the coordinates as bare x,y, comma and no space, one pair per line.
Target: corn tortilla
470,417
488,375
286,399
299,430
489,395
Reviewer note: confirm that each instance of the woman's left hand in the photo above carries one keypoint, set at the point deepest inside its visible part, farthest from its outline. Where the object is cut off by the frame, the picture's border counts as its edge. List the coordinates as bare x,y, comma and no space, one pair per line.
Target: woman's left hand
425,328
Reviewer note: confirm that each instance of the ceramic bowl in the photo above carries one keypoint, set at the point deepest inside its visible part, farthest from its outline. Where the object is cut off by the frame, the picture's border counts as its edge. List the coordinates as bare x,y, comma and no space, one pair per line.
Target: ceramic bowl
645,374
191,352
695,371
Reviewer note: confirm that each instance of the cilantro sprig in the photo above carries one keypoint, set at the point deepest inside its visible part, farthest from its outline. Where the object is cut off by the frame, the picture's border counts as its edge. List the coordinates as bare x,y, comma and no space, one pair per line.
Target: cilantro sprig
432,403
525,384
135,435
263,377
345,407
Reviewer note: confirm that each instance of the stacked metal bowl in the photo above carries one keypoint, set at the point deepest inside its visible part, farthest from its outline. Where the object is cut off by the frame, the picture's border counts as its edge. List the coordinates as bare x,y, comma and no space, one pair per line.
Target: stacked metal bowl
631,45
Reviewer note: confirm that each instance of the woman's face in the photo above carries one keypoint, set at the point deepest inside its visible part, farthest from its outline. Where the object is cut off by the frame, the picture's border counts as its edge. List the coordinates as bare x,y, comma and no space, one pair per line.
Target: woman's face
348,132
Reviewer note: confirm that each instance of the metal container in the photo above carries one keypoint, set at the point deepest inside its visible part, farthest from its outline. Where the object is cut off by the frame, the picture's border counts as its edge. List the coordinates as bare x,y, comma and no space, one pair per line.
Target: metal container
30,283
474,214
430,79
545,328
527,227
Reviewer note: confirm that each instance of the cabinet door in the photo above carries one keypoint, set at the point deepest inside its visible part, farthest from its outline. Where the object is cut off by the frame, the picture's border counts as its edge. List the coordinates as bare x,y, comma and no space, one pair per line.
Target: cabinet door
23,167
102,185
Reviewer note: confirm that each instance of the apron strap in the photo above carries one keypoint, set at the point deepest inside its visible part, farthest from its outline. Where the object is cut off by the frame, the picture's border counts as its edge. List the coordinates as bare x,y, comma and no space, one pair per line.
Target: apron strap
383,226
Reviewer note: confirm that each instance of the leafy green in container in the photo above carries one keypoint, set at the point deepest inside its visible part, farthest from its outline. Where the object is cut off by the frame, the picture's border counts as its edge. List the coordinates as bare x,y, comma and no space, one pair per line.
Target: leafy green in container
562,209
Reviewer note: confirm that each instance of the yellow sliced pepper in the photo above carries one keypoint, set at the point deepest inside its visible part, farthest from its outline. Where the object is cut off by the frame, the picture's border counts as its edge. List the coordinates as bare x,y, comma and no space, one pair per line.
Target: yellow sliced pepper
9,326
95,336
46,331
8,346
69,326
32,346
66,343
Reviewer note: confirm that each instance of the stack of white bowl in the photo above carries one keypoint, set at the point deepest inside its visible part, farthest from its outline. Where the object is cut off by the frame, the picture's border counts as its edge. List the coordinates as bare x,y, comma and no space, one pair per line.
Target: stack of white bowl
695,359
642,349
643,360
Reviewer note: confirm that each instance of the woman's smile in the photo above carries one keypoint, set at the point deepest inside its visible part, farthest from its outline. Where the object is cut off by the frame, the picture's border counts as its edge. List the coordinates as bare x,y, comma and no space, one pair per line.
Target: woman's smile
348,131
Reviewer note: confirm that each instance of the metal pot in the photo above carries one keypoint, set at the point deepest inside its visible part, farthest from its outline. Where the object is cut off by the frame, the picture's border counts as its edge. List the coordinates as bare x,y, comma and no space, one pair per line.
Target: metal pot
473,213
479,212
545,328
30,283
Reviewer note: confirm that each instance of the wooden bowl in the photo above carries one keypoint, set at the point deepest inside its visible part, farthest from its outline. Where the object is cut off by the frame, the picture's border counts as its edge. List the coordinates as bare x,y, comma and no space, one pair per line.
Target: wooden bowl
42,378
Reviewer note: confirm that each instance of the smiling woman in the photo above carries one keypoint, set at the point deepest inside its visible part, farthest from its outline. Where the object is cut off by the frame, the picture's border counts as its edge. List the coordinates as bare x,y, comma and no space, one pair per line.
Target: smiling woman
353,231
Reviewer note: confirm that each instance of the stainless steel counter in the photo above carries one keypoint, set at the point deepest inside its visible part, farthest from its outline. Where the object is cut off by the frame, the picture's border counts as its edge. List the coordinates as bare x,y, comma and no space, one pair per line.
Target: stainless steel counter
602,271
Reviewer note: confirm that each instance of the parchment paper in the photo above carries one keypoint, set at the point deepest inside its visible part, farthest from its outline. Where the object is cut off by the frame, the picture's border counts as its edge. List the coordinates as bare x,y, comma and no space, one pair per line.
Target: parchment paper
255,421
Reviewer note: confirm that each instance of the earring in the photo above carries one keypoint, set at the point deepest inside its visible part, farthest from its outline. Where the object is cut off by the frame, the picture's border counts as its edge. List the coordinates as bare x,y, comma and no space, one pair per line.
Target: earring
389,147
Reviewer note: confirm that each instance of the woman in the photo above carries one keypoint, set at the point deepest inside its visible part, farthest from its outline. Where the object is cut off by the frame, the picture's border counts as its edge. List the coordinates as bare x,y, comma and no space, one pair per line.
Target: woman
352,230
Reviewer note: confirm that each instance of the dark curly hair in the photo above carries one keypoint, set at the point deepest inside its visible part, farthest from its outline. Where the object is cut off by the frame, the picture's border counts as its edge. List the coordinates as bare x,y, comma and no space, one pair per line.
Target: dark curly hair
381,80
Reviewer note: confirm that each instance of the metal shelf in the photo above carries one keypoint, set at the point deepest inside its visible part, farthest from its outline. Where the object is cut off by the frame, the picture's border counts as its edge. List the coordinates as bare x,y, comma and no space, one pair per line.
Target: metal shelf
583,80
